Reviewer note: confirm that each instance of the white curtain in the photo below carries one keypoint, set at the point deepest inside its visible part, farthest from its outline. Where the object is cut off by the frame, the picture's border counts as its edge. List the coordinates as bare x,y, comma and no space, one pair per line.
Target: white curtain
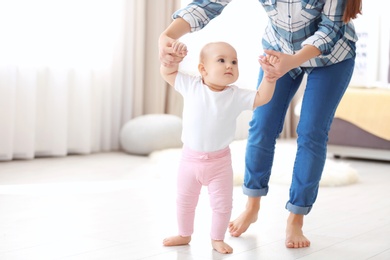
70,71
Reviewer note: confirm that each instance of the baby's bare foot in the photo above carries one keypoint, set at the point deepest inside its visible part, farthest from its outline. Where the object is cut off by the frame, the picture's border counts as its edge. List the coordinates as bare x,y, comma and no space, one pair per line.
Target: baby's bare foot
176,241
221,247
294,234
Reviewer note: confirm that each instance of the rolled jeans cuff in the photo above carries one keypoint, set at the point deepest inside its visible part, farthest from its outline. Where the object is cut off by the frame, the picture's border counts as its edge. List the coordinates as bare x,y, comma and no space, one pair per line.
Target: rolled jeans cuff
254,192
297,210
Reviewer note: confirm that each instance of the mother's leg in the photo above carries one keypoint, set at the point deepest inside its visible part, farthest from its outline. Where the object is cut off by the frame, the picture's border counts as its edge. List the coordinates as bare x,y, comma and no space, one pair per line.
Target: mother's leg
265,127
324,90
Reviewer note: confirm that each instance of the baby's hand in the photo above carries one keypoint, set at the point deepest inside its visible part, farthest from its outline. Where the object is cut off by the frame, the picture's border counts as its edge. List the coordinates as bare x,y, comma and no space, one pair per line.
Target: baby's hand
272,59
269,59
179,49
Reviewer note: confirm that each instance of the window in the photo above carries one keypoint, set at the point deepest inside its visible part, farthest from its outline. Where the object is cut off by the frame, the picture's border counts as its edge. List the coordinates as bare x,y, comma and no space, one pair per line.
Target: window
72,33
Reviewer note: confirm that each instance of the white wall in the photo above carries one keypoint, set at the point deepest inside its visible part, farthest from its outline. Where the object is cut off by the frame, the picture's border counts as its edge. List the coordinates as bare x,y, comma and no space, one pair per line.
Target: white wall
372,61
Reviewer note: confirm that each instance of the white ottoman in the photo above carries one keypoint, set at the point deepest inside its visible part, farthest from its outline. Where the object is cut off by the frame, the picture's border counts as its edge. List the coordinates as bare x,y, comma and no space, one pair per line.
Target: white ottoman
145,134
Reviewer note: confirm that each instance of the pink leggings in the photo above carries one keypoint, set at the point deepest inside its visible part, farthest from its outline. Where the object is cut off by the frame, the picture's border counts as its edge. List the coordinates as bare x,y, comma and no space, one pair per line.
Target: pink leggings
209,169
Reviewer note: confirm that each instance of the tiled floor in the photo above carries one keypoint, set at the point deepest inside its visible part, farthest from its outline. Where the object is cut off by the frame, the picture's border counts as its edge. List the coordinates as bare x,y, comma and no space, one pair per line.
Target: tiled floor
115,206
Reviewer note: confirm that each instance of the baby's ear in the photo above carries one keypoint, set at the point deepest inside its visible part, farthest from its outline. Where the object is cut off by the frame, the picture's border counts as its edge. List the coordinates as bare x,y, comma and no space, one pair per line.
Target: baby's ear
202,69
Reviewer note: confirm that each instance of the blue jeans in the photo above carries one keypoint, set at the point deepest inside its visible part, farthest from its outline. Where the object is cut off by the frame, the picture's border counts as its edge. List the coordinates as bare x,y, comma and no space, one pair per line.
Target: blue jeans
324,90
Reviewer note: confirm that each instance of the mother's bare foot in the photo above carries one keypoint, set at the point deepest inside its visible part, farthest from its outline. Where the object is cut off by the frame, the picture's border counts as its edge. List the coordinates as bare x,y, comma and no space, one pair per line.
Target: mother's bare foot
242,223
294,234
221,247
176,241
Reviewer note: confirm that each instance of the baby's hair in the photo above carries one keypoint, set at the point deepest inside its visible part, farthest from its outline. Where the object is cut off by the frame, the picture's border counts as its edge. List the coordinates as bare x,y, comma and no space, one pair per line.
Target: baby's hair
203,54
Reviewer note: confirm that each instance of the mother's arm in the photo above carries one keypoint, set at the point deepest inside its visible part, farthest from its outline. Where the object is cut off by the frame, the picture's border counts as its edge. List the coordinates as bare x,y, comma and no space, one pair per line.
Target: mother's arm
192,18
329,31
287,62
174,31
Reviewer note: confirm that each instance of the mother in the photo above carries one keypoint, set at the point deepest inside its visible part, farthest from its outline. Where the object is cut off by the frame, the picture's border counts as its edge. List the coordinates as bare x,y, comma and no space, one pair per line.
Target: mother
316,37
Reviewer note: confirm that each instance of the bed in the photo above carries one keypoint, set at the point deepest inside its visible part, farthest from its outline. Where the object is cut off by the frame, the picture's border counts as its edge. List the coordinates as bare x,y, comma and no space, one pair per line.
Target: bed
361,127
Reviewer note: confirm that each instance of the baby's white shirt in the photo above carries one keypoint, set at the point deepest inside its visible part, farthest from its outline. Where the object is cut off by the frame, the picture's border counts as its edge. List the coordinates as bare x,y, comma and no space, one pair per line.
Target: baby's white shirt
209,117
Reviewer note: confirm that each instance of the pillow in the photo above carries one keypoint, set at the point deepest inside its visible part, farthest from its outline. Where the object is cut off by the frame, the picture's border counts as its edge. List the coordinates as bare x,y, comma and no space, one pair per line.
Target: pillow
145,134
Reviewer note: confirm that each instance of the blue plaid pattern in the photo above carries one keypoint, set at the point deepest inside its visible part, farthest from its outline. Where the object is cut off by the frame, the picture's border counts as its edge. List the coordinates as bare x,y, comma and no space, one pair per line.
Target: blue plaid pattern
292,24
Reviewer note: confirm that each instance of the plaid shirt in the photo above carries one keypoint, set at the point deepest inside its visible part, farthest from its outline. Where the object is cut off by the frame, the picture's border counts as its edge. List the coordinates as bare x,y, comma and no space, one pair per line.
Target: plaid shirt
292,24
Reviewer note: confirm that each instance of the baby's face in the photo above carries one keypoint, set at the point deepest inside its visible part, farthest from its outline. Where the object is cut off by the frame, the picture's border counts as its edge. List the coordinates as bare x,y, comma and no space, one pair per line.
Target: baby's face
221,65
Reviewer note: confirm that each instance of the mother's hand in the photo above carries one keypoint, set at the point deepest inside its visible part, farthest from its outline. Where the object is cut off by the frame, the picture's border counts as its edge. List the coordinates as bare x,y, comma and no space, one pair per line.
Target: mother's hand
275,71
166,52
